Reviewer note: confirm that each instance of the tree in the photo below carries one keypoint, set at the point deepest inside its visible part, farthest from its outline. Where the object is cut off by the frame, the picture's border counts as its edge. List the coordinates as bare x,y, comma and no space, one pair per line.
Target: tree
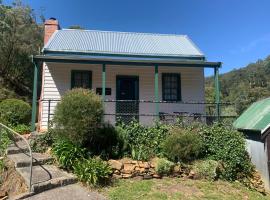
20,37
76,27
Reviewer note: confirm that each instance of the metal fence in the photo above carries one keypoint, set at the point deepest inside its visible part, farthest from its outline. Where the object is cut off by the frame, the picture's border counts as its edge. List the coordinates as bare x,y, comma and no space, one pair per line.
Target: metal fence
147,111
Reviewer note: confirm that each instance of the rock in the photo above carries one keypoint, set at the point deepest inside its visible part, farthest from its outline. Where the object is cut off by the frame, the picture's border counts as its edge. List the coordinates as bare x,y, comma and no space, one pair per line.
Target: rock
146,165
127,176
128,168
116,176
147,176
127,161
117,172
191,174
115,164
156,176
177,169
3,194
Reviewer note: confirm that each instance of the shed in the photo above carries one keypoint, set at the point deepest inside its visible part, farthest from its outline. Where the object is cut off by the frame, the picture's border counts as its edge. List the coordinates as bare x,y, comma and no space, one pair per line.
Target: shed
255,124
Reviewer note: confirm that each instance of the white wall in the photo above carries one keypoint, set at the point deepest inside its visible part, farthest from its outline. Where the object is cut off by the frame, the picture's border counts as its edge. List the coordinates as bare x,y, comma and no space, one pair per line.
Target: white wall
57,80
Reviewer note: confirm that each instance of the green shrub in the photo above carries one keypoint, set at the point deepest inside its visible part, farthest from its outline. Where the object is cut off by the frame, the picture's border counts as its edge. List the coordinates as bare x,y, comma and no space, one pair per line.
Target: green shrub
141,142
182,145
42,142
107,142
14,112
68,154
22,129
78,115
164,166
93,171
206,169
224,144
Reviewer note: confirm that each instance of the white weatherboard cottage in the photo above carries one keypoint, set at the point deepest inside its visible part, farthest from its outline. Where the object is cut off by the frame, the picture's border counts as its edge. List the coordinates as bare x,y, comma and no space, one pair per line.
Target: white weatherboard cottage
141,74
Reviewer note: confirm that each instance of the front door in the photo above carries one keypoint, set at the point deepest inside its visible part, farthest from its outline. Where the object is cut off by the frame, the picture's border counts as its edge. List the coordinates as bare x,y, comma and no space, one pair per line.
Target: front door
127,92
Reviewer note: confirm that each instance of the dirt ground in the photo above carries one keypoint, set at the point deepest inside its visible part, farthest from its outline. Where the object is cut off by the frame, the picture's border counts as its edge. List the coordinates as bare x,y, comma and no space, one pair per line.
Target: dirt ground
12,183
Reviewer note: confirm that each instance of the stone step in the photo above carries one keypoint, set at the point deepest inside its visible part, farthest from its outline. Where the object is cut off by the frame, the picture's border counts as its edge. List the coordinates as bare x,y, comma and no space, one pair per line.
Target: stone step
23,159
18,147
45,177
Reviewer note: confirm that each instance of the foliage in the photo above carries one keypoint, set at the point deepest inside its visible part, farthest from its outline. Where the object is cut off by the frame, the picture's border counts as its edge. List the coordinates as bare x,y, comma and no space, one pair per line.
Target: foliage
207,169
224,144
182,145
141,142
20,37
243,86
107,142
42,142
78,116
93,171
22,129
4,141
14,112
164,166
68,154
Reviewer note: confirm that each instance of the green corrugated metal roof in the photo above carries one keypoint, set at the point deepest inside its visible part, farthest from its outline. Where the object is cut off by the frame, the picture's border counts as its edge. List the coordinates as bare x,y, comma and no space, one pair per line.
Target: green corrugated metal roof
256,117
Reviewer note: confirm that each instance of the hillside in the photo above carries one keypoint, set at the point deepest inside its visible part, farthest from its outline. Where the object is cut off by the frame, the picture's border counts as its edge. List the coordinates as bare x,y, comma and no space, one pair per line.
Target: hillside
243,86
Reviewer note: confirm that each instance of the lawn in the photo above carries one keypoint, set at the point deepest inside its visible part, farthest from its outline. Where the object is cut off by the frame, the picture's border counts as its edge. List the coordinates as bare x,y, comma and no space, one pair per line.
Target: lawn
166,188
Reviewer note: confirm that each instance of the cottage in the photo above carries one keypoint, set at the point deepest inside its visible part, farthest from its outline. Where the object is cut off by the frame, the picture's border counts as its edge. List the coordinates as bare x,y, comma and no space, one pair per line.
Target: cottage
141,75
255,124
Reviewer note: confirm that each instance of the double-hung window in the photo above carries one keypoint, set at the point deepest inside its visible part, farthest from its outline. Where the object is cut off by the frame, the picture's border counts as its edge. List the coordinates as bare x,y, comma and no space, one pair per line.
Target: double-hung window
81,79
171,87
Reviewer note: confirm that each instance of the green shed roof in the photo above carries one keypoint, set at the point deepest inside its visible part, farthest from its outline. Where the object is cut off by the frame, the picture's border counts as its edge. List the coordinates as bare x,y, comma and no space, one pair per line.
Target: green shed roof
256,117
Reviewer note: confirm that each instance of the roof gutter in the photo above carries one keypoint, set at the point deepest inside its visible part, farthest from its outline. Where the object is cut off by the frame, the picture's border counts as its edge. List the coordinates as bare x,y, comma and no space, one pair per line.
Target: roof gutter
126,61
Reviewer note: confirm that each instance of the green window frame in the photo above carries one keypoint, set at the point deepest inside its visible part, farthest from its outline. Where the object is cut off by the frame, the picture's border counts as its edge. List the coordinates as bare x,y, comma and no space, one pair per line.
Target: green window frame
171,87
81,78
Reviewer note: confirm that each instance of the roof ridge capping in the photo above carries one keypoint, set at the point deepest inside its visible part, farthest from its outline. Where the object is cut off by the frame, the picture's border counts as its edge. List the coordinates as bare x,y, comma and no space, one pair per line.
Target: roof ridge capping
125,32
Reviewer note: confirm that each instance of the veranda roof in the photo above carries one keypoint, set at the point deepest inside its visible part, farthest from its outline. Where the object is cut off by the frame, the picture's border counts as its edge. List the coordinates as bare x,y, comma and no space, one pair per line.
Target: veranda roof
255,118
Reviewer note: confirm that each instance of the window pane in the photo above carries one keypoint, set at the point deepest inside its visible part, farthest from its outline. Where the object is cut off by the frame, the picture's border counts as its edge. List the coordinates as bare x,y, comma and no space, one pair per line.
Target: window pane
171,87
81,79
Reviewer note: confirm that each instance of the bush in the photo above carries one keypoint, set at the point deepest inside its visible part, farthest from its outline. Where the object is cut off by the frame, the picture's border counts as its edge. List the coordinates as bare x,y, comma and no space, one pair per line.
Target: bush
42,142
22,129
206,169
78,115
182,145
106,143
141,142
14,112
68,154
93,171
221,143
164,166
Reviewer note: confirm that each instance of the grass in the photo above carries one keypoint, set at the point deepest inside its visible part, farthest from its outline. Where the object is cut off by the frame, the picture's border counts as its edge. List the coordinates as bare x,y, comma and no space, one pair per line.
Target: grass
177,188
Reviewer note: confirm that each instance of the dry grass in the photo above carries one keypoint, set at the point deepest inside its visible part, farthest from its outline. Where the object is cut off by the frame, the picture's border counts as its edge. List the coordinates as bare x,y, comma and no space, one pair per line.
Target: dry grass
178,188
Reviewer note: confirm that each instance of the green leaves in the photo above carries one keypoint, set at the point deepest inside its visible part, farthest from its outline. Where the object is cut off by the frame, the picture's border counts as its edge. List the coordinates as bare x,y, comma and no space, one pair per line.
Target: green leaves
224,144
78,116
93,171
68,154
142,142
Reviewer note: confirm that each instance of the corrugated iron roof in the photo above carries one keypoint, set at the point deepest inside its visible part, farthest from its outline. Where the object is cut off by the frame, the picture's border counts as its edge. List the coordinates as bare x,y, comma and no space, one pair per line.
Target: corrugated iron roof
122,43
256,117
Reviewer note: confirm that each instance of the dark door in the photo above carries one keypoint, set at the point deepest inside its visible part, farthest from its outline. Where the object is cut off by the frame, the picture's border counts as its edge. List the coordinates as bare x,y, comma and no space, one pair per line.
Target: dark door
127,92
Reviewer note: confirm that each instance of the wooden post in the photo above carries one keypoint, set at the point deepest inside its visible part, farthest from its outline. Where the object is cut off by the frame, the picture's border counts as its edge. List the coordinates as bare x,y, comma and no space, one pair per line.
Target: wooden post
156,91
34,98
217,93
103,81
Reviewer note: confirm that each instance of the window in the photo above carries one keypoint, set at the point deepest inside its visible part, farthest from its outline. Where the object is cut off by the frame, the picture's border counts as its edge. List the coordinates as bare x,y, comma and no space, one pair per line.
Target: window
171,87
81,79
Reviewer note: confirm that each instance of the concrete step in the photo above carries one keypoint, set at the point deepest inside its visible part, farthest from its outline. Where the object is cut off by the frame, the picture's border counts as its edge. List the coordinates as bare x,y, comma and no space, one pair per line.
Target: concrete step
18,147
45,177
23,159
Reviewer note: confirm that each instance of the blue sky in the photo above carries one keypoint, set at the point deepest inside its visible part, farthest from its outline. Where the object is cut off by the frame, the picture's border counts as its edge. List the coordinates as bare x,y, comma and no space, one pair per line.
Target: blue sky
235,32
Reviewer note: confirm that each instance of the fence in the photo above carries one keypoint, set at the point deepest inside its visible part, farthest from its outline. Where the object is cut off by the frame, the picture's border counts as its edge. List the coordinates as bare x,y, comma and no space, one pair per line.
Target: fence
145,111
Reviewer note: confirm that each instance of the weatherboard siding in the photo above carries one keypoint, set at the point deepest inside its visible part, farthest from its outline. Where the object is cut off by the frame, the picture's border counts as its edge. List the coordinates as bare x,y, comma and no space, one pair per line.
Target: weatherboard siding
57,80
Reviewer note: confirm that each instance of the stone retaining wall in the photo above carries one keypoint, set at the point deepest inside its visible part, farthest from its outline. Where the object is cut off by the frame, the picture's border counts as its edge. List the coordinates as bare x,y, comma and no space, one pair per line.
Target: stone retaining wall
128,168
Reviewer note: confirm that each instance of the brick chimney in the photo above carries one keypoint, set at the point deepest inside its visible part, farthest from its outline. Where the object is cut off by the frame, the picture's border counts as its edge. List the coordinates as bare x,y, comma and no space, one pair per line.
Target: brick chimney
51,25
